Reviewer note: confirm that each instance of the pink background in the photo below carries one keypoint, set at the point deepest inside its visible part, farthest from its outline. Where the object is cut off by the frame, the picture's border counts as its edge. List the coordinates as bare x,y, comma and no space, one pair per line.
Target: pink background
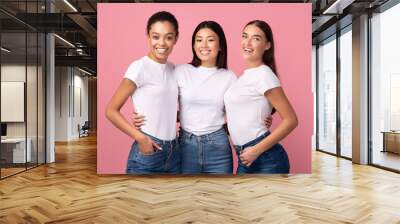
122,39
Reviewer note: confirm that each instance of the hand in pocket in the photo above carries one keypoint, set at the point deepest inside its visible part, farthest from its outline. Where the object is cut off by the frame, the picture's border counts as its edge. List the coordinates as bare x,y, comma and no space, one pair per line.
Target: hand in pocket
147,146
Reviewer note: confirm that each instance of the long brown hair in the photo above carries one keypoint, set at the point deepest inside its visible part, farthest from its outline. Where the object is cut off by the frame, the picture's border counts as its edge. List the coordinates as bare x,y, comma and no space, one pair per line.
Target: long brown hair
268,56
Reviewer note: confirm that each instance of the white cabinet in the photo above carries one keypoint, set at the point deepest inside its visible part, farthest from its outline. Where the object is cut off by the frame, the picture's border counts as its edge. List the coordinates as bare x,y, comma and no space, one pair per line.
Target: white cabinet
17,146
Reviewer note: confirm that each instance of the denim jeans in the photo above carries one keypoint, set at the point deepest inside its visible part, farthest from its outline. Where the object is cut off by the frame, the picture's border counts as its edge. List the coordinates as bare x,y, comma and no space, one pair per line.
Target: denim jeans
209,153
274,160
167,160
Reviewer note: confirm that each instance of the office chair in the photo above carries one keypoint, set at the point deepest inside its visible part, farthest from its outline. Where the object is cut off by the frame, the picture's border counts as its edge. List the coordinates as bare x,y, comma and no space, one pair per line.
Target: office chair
84,130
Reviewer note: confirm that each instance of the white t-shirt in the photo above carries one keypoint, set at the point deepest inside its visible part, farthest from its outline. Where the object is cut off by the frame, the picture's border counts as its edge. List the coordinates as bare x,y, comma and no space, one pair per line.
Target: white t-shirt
156,96
246,106
201,97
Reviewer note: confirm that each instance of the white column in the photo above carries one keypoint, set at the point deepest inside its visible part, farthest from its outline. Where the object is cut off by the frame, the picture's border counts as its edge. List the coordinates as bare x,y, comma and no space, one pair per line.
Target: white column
50,93
50,110
360,90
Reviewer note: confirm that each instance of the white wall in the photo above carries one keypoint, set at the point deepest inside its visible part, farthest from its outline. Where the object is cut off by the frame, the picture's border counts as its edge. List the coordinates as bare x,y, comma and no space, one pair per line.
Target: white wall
61,103
71,93
81,82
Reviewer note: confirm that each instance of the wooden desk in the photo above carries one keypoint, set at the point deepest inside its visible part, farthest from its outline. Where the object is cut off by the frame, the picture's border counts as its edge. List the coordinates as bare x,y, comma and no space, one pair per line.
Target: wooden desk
391,141
15,148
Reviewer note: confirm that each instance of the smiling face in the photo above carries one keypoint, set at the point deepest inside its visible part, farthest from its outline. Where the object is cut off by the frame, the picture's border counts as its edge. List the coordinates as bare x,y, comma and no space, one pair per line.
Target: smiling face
206,46
162,38
253,45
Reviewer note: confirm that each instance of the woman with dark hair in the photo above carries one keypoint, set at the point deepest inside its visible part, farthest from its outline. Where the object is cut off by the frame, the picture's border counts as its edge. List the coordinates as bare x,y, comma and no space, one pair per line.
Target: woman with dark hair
251,98
152,86
204,143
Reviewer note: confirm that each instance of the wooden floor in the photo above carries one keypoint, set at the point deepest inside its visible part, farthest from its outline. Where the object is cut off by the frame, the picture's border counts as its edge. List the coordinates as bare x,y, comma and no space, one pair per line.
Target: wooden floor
70,191
10,171
5,172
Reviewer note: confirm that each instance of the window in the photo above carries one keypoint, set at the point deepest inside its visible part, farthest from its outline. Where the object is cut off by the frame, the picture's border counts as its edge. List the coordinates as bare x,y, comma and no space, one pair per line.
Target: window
385,89
327,96
346,74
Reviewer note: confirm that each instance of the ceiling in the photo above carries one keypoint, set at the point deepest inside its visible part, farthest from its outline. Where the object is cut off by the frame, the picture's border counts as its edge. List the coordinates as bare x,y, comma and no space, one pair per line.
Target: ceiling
77,23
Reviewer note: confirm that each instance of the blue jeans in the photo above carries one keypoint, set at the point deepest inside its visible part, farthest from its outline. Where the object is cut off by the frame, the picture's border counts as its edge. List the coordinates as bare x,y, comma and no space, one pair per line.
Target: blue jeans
274,160
209,153
167,160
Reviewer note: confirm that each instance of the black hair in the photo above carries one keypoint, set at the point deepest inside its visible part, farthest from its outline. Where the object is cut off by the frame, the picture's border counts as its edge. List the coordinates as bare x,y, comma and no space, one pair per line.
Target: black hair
161,17
268,56
222,58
